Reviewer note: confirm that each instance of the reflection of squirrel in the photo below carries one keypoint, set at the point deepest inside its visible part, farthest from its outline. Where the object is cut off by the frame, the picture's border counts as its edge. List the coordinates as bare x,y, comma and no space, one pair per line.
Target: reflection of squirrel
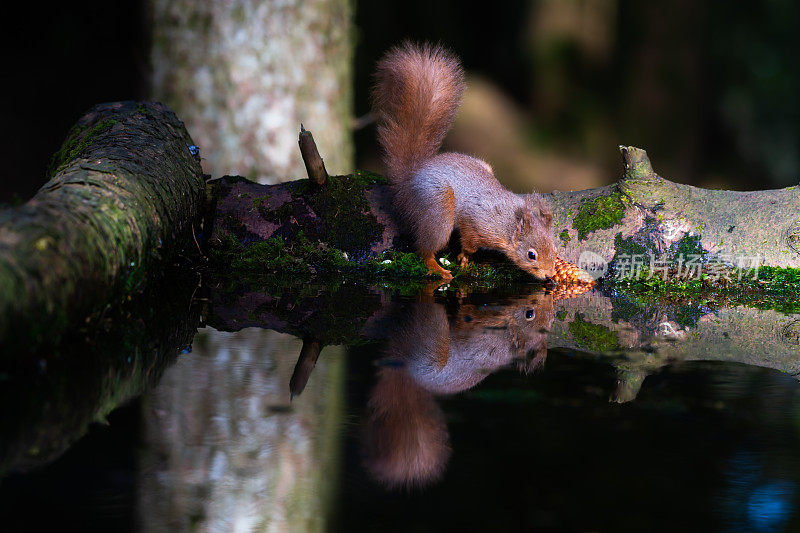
406,439
416,96
449,356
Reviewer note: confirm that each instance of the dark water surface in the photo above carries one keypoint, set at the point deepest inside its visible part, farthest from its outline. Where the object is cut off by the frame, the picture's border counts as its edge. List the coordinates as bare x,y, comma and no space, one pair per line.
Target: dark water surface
436,412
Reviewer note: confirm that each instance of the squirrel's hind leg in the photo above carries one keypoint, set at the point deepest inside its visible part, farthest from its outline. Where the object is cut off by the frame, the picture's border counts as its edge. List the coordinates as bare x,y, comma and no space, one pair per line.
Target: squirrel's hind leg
434,225
469,242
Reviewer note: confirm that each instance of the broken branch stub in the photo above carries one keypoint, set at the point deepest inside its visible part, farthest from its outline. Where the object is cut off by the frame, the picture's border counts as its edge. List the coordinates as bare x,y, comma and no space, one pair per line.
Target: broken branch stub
315,166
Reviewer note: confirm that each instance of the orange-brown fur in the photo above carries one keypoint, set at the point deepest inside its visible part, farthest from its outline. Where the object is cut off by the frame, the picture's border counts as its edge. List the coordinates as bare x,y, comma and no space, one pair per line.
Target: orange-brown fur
416,96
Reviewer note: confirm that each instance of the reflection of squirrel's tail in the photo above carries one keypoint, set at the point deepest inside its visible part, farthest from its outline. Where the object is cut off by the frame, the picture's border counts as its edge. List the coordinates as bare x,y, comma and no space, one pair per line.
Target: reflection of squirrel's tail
405,437
416,95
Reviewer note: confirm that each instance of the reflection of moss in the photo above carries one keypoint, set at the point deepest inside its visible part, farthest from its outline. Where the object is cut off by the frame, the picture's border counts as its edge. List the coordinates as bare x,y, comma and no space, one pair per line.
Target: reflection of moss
602,212
561,315
592,336
686,316
564,236
632,307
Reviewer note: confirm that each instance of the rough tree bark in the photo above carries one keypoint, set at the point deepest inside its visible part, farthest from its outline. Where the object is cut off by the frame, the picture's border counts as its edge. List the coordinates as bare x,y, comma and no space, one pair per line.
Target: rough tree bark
244,74
125,190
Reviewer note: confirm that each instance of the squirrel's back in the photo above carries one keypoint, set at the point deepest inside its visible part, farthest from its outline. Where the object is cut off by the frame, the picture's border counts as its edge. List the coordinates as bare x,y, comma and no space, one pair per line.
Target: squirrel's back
417,93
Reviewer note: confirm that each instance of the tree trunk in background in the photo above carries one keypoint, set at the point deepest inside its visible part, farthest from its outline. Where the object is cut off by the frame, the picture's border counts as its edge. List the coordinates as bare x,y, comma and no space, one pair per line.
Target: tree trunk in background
232,452
244,74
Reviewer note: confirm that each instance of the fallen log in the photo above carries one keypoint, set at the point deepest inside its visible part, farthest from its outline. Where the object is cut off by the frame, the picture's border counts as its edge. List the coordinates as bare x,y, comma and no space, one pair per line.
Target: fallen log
639,220
124,193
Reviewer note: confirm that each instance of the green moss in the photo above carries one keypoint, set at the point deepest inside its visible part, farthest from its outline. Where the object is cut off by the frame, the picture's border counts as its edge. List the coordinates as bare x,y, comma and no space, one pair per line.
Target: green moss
564,236
301,262
602,212
628,246
687,247
490,275
284,212
399,264
342,205
774,288
561,315
368,178
592,336
78,139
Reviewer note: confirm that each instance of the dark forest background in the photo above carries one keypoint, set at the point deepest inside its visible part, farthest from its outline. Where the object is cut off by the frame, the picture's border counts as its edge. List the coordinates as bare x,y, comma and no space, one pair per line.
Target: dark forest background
710,89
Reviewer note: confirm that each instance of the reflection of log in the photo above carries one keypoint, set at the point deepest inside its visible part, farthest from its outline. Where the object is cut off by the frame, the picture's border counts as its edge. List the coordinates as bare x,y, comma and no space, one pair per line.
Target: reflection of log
640,214
49,403
334,315
637,338
640,338
126,190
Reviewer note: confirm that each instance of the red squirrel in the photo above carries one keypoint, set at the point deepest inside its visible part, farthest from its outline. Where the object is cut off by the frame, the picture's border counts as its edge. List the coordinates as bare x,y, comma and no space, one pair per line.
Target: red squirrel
416,97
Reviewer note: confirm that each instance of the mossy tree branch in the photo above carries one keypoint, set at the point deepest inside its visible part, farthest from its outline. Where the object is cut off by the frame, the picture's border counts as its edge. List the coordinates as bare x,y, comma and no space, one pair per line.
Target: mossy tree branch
124,193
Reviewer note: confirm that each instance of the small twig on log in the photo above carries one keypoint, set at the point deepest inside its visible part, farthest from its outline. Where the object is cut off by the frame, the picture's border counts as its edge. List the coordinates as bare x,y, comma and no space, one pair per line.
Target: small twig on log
315,167
637,164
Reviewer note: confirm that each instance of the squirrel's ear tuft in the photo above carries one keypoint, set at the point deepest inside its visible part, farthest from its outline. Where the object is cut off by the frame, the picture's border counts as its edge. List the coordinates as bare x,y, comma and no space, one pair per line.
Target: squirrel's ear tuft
547,216
538,204
522,217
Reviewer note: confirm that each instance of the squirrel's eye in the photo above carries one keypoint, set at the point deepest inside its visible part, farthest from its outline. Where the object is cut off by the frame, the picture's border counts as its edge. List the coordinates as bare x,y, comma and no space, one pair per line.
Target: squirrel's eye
532,255
529,314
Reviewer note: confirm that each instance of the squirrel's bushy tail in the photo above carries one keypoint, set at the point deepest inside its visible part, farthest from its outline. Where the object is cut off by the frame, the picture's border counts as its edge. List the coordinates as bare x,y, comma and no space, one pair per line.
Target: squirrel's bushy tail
417,92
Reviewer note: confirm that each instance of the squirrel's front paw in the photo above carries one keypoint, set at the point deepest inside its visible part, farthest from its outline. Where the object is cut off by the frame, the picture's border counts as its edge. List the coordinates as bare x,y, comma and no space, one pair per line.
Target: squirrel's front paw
435,268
